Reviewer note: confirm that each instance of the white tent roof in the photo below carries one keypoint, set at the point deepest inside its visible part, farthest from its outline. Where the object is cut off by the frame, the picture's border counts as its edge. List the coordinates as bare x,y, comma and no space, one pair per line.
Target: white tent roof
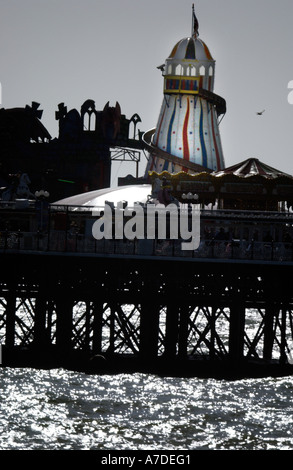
131,194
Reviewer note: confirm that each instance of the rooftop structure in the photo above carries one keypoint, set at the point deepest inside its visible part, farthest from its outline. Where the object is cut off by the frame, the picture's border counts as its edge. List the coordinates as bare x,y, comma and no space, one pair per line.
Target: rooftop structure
77,161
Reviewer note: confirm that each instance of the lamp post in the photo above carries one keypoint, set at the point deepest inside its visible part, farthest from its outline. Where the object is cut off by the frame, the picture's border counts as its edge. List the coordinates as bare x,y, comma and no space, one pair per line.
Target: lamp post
42,205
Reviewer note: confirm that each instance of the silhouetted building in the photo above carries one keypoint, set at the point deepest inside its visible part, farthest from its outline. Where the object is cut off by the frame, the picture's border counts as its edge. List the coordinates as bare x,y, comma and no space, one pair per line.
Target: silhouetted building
79,160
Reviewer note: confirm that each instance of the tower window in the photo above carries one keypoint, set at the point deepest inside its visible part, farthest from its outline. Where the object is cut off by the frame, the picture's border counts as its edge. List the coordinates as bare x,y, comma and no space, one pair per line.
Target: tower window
89,121
202,70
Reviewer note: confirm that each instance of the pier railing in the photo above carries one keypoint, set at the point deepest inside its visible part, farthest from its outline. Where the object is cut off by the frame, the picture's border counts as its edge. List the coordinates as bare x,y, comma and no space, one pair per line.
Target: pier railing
69,230
62,242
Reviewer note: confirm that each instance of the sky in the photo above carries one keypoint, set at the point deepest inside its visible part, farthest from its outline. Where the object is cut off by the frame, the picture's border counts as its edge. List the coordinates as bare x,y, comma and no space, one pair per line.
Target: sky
54,51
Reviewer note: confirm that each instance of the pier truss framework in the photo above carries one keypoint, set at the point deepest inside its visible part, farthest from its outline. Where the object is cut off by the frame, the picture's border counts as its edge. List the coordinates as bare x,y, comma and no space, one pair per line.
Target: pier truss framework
68,310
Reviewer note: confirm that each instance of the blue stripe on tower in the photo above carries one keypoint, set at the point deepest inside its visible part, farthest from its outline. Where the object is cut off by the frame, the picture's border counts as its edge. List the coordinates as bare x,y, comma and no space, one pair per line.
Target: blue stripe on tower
203,147
170,129
166,166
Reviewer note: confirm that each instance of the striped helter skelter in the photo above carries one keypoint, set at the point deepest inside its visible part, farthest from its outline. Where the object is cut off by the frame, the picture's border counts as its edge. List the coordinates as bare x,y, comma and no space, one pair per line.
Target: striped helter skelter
187,126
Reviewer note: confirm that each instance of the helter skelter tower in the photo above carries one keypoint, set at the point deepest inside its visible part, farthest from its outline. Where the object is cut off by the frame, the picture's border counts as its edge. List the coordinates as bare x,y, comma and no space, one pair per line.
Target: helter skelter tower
187,136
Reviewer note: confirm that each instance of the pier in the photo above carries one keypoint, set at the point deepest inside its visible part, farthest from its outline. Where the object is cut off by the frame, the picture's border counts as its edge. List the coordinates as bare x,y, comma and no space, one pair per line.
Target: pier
108,306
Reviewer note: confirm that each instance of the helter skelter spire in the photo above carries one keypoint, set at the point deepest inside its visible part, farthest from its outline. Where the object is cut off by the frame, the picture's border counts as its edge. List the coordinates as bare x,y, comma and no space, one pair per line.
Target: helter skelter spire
187,136
195,25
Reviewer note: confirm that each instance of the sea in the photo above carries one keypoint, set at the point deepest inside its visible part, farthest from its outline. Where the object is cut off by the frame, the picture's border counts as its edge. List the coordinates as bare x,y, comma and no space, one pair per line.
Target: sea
122,414
112,415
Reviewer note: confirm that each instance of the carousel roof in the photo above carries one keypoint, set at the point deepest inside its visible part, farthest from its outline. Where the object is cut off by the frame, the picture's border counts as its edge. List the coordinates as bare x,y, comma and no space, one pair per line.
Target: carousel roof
252,167
250,178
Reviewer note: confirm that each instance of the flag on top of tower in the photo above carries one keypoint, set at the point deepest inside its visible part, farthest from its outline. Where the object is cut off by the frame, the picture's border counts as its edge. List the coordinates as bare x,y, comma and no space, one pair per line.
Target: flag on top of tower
195,24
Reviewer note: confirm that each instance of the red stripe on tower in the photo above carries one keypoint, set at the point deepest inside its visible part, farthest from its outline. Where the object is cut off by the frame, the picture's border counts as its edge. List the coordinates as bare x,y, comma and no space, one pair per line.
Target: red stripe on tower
185,134
215,143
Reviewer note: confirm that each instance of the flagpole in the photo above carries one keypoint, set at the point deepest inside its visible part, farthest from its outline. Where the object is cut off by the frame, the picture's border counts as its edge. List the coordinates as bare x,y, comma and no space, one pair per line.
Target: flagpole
192,21
194,27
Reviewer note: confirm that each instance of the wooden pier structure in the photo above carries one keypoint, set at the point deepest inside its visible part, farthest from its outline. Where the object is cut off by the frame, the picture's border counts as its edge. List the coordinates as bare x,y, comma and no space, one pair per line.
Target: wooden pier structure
68,300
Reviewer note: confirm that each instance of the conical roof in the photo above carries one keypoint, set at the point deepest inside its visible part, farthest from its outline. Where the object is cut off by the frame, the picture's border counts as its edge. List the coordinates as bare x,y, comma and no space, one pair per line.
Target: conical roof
252,167
191,48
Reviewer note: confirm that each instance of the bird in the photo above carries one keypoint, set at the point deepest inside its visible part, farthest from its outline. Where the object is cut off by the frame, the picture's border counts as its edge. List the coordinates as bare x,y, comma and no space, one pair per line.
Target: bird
259,113
161,67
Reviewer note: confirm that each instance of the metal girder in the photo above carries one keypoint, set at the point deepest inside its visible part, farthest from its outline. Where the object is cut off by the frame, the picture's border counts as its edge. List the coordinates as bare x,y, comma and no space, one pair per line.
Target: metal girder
125,154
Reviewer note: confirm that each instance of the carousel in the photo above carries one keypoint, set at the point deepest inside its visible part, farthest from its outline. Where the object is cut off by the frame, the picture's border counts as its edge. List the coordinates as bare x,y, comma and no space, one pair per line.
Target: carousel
250,185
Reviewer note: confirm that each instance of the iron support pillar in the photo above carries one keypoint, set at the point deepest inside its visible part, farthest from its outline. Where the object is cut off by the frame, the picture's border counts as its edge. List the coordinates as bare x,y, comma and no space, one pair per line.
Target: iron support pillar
64,305
183,331
270,313
97,327
283,355
40,334
10,317
149,329
236,335
171,329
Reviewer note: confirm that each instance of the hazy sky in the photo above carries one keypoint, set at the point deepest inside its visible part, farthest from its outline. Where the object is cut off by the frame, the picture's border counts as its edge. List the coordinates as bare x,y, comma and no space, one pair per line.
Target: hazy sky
54,51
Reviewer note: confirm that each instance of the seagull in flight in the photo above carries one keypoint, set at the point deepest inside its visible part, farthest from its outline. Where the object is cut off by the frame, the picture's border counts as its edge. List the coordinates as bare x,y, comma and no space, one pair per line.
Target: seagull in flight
259,113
